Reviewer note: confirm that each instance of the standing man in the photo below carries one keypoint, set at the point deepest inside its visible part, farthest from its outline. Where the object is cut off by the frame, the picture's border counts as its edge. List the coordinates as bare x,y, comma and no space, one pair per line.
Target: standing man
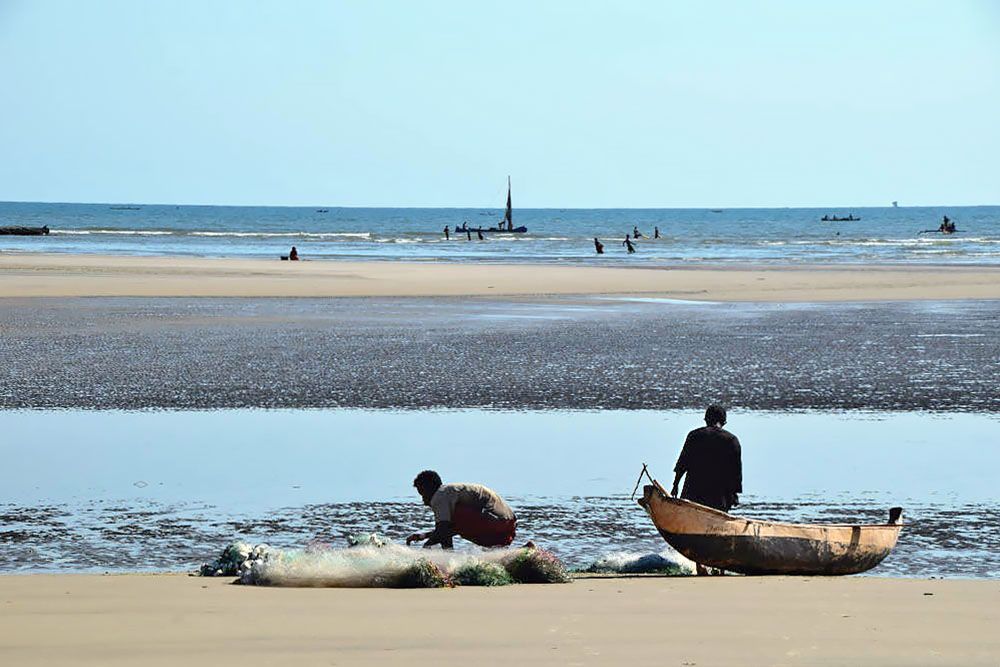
598,246
471,511
447,235
713,463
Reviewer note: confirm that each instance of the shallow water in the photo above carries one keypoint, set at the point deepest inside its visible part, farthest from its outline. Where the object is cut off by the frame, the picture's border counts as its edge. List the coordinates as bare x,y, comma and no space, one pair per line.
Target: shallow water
96,491
794,235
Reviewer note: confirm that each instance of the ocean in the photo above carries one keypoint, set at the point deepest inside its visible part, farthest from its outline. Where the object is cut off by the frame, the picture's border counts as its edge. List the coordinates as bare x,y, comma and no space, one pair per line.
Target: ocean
784,235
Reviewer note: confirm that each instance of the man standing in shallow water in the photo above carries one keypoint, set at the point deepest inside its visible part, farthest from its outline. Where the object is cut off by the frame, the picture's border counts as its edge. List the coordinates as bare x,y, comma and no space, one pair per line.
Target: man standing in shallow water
471,511
712,460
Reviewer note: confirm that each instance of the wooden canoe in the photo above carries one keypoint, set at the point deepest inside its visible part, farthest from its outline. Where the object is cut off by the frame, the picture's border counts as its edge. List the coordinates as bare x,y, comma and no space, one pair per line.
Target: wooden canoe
716,539
24,231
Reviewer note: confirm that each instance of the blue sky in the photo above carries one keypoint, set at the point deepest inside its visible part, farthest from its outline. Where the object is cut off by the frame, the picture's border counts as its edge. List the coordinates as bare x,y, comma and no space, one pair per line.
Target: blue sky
585,104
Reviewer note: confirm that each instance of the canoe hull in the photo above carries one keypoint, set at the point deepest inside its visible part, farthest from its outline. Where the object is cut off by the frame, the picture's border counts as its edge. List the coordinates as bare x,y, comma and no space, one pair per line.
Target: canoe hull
24,231
720,540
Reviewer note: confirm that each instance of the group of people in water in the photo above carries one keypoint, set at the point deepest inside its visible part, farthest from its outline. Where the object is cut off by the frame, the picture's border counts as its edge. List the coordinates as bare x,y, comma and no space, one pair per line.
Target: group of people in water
710,462
628,243
947,227
464,228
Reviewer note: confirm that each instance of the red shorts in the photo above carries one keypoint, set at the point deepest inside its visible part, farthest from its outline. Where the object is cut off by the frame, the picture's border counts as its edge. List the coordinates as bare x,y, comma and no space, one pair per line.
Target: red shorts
482,529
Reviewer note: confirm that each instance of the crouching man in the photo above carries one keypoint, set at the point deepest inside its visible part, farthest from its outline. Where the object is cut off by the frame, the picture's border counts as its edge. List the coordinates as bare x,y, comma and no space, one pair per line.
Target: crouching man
471,511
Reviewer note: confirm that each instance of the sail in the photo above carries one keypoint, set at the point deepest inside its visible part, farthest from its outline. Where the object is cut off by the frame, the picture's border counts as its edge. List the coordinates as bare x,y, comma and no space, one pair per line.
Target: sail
508,218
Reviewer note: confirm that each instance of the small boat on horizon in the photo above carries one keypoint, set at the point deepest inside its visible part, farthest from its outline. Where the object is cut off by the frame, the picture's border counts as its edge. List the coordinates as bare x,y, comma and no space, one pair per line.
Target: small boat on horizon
716,539
833,218
24,231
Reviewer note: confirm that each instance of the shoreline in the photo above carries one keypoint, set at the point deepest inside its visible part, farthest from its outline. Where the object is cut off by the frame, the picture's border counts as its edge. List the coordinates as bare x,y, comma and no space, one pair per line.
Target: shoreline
57,275
114,619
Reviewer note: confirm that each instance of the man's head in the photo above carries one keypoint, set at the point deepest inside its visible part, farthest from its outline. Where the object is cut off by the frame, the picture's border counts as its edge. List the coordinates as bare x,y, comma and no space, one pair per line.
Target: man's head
427,483
715,415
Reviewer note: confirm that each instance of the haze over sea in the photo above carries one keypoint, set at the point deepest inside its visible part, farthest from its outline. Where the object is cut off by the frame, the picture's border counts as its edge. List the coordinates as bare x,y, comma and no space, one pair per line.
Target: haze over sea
758,235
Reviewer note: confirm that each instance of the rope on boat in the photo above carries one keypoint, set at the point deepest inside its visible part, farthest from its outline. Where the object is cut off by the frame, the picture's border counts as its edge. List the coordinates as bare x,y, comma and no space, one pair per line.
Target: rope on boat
645,471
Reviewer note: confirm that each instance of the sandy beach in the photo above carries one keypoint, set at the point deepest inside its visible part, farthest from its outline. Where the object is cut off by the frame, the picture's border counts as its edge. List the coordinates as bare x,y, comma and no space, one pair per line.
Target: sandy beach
167,619
39,275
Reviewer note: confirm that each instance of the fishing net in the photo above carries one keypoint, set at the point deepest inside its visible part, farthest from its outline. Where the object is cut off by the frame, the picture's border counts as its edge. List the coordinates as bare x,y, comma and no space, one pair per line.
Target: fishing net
375,562
536,566
482,574
668,563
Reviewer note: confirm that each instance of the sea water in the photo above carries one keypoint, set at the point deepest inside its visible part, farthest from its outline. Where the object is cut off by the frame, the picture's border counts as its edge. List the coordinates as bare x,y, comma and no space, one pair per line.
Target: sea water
120,491
785,235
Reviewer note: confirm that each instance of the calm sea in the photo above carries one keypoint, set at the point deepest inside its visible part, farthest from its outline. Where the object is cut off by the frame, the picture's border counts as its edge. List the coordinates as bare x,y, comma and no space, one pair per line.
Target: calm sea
797,235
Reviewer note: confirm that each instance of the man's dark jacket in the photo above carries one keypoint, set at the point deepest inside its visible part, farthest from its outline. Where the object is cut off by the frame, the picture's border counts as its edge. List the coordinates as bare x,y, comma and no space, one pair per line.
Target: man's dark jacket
712,462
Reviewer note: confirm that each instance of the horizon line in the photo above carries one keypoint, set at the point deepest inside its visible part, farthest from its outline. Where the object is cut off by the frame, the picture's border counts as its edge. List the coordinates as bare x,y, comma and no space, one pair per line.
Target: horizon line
497,207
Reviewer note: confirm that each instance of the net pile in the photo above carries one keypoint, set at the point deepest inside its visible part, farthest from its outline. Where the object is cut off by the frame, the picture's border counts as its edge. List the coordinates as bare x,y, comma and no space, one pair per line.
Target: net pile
374,562
668,563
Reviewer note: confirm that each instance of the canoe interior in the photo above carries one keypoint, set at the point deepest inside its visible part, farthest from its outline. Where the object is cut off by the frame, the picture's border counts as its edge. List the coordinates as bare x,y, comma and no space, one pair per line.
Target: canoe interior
749,546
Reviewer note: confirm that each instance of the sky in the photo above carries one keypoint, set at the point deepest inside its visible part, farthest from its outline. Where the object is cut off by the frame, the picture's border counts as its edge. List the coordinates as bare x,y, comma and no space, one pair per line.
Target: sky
584,104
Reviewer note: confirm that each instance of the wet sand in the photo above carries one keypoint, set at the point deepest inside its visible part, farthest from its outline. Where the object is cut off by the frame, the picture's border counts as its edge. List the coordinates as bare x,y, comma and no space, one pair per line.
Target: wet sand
23,275
557,352
171,619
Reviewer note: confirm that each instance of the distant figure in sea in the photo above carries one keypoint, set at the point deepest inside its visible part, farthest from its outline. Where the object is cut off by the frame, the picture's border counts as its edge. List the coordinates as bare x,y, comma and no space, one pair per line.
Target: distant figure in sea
947,226
468,233
636,234
598,246
293,255
479,233
656,232
447,235
471,511
712,460
628,244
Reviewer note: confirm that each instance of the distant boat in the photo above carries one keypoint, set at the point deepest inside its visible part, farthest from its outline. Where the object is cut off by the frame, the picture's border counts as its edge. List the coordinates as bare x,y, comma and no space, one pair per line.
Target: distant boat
716,539
322,210
833,218
716,210
507,224
895,204
24,231
125,208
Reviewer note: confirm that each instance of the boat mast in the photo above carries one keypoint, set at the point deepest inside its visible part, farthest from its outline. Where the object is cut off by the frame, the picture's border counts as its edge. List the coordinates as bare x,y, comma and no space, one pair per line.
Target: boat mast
508,216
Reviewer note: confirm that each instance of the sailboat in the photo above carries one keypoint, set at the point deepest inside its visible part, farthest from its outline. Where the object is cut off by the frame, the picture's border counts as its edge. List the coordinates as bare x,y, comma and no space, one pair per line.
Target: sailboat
507,224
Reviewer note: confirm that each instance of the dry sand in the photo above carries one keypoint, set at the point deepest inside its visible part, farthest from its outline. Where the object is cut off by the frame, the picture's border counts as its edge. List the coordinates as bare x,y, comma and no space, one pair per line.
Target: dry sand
174,619
31,275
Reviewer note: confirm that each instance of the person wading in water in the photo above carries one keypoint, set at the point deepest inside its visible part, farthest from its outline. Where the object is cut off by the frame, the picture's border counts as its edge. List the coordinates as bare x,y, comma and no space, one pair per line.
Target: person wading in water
712,460
471,511
628,244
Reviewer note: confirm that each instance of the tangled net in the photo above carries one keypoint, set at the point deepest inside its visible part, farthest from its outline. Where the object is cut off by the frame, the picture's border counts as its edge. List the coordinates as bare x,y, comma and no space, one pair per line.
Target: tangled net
374,562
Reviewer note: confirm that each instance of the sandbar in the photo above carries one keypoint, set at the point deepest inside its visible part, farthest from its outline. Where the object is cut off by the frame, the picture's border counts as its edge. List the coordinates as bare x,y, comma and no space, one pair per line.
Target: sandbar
176,619
55,275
